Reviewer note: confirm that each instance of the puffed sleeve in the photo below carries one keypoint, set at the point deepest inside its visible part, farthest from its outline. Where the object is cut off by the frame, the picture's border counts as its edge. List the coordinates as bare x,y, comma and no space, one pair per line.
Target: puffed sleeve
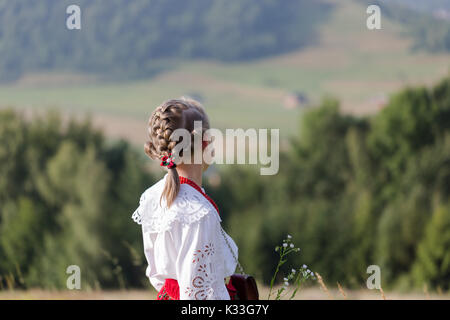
200,262
149,237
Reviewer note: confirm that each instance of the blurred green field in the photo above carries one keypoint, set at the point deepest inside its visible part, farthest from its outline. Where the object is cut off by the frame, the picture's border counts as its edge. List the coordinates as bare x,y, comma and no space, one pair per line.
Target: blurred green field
349,62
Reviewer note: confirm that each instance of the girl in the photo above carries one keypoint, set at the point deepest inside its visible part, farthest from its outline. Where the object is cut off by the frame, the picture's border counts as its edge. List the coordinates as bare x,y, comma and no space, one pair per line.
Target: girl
188,253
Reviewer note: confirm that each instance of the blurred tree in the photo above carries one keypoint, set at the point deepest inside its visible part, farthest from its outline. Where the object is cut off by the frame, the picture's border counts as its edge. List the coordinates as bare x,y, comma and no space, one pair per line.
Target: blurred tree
432,266
12,137
21,237
66,198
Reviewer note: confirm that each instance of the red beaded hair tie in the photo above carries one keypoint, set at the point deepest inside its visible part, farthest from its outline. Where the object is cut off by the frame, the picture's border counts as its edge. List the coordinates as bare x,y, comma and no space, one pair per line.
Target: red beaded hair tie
167,161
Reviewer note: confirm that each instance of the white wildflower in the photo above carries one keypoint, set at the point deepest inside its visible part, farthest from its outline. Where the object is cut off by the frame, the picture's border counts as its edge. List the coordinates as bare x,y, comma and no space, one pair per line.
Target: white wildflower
285,245
292,245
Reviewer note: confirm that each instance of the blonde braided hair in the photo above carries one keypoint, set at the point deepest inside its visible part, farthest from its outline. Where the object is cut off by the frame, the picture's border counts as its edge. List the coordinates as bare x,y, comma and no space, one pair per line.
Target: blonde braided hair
171,115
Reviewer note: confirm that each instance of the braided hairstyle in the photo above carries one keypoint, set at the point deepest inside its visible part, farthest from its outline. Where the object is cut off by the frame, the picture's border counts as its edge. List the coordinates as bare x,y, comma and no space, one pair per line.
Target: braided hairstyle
171,115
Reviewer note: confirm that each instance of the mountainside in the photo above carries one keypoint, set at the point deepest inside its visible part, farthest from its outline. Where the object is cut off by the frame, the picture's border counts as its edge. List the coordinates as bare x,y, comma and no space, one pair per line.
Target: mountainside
428,5
135,38
358,66
428,23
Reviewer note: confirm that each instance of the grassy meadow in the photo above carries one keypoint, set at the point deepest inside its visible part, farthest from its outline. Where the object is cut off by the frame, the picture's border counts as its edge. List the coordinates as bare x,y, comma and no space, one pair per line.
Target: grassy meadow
313,293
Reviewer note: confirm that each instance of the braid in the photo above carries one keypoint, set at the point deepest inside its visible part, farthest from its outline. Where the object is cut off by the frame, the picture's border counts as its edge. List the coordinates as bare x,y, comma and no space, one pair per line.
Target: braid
164,120
169,116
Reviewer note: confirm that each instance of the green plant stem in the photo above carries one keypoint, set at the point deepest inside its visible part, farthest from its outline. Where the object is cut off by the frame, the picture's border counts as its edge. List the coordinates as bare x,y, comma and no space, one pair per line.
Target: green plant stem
283,252
276,272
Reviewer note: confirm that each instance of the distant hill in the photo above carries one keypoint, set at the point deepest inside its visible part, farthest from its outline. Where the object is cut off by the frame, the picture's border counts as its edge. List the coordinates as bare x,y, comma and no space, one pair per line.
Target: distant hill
130,38
425,5
126,39
360,67
427,21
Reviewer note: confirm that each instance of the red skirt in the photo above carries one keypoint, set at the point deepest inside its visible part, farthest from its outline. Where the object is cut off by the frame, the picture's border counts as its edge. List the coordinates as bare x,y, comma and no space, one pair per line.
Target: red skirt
171,291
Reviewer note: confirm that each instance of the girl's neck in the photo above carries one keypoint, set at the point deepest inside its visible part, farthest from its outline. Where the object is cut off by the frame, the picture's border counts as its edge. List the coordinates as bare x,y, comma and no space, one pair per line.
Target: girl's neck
191,171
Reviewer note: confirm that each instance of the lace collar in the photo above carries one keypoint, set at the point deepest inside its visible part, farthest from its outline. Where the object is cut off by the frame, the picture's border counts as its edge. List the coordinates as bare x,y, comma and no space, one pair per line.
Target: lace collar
189,207
199,189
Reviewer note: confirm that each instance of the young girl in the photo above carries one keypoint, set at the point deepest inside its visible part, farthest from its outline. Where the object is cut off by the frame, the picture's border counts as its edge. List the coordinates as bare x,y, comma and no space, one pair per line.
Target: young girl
188,253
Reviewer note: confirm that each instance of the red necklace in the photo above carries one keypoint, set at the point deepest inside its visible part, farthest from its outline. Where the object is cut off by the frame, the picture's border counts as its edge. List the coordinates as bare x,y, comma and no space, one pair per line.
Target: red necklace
196,187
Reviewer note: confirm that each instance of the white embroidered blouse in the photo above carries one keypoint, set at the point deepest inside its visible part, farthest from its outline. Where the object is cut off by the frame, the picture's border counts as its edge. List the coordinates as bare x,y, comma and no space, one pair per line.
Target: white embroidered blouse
184,242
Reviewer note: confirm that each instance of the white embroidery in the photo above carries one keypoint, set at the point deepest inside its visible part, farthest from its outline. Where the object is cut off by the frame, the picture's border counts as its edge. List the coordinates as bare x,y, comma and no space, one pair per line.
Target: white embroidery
206,275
